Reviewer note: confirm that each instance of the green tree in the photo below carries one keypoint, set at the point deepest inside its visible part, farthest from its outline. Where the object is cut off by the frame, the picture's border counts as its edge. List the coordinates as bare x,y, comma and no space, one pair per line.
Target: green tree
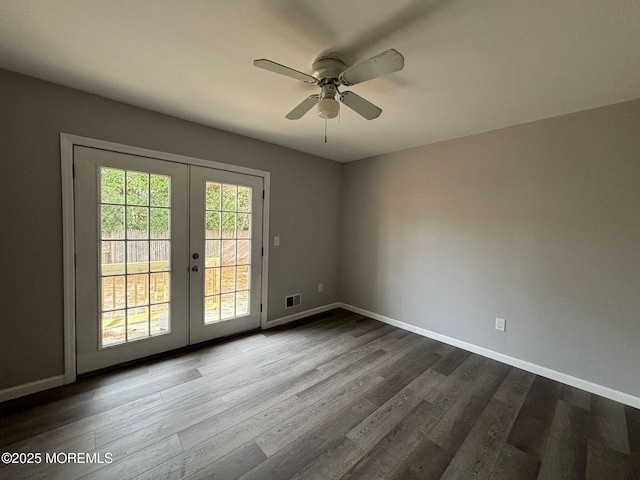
227,198
146,198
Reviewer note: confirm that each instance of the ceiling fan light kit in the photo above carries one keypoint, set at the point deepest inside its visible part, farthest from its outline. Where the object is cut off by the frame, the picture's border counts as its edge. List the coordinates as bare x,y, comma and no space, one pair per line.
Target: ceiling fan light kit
329,73
328,108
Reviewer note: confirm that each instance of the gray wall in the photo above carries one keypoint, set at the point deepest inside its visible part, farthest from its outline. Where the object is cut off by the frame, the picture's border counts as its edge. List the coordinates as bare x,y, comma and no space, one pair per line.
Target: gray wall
305,195
536,223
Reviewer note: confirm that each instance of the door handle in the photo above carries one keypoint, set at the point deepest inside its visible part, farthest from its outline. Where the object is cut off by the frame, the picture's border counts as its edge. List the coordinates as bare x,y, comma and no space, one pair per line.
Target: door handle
195,268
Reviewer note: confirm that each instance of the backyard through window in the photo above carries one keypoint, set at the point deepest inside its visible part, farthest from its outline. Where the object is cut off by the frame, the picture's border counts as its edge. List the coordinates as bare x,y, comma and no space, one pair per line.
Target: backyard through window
227,251
135,267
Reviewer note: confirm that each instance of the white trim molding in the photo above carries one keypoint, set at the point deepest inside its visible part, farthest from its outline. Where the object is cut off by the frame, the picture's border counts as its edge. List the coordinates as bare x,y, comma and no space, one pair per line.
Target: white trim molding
31,387
297,316
68,258
580,383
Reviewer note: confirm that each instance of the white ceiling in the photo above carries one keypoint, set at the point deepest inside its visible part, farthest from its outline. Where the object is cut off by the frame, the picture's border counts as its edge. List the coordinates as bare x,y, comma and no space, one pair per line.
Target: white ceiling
470,66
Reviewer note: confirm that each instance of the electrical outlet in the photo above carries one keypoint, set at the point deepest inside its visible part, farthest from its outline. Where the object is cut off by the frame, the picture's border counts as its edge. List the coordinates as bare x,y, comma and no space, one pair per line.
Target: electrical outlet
276,241
501,324
320,287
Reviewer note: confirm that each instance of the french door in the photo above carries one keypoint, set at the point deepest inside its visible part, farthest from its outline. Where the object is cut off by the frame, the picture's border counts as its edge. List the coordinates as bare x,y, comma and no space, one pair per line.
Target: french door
167,254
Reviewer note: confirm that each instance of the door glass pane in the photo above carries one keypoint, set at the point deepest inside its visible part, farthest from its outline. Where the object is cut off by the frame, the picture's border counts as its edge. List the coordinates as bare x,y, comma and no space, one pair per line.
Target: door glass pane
212,251
137,256
228,225
213,192
160,319
135,265
113,258
229,198
137,188
159,223
243,252
212,309
229,252
112,186
244,225
112,224
159,287
242,303
227,306
242,277
137,323
137,222
227,219
228,280
244,199
212,281
113,296
159,255
213,225
160,191
112,326
137,290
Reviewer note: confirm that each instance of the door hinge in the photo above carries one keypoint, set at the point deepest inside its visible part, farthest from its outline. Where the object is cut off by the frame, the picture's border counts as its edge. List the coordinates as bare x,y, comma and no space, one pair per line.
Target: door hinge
73,170
263,251
260,308
263,194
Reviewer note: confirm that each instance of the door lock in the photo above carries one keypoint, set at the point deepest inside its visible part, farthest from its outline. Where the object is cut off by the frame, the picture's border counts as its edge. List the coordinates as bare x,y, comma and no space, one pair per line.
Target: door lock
195,256
195,268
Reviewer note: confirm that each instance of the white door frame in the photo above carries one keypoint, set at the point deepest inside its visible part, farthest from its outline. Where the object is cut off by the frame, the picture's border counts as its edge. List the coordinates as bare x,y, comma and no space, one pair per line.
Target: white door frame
67,142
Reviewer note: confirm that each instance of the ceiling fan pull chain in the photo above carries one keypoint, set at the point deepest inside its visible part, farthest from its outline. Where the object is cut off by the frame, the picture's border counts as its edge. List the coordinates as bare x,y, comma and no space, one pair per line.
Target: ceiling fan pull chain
325,130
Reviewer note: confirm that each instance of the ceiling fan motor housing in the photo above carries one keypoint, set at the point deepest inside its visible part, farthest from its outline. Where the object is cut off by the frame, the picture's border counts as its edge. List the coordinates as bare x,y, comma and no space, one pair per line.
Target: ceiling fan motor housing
328,69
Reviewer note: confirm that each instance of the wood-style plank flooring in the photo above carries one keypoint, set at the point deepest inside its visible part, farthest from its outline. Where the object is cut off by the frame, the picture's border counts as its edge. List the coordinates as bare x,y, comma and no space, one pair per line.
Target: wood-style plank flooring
336,396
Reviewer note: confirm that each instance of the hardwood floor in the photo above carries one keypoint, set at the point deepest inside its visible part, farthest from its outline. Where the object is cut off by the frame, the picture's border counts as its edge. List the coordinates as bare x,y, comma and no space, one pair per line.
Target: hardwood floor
336,396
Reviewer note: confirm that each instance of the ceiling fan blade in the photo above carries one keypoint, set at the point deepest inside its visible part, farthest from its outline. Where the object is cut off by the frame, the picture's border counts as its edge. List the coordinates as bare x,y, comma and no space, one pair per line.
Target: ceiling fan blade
282,70
359,105
384,63
306,105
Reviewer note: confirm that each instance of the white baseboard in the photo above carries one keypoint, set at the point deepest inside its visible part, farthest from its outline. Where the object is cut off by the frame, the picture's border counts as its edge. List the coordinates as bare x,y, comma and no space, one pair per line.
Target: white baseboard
297,316
31,387
594,388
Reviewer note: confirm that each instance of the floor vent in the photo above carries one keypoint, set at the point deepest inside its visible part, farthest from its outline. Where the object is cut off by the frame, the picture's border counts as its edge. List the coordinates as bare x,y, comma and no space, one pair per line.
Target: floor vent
293,300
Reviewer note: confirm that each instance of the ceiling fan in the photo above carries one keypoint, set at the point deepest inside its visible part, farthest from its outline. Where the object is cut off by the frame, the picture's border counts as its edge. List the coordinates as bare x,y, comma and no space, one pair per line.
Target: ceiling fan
329,73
